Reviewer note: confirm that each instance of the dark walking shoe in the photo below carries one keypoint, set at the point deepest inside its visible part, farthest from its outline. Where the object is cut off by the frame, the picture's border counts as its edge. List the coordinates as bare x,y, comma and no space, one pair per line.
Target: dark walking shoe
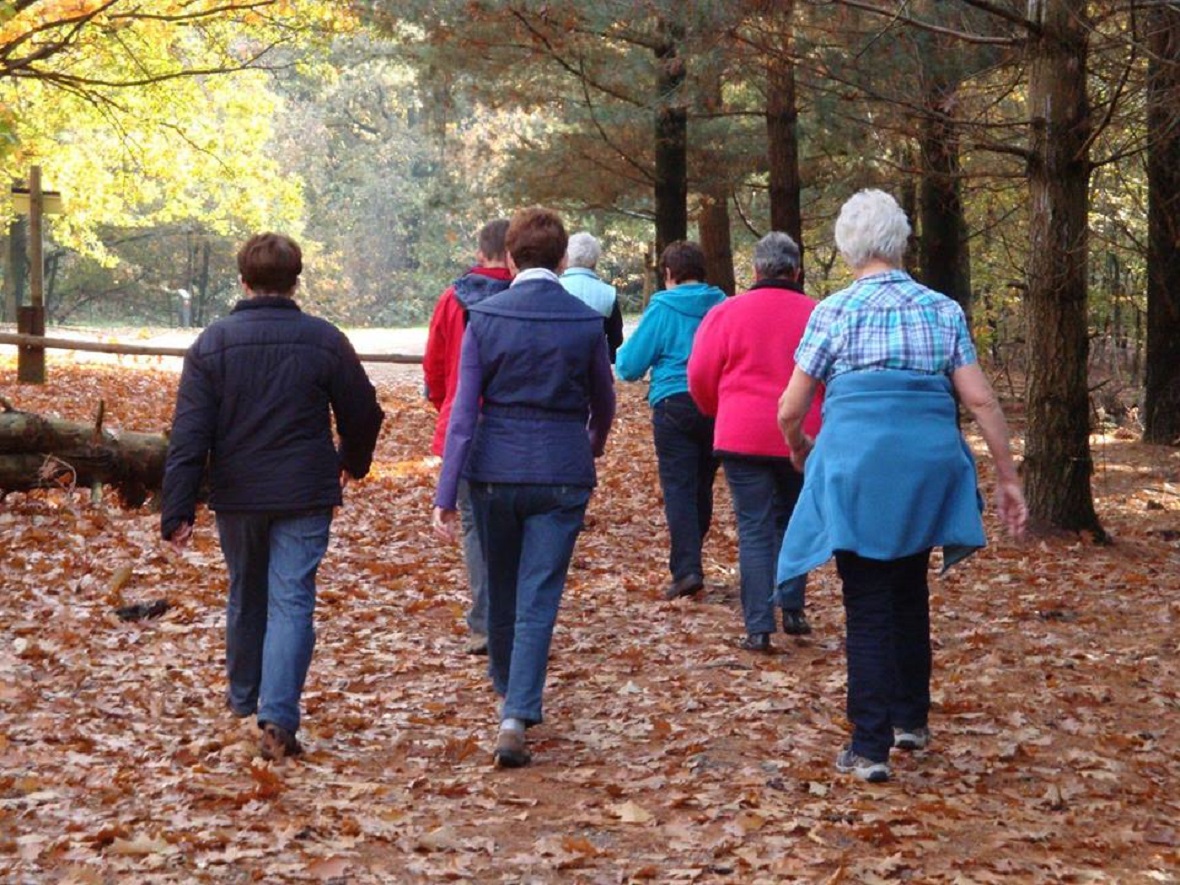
277,742
794,624
756,642
510,750
865,769
689,585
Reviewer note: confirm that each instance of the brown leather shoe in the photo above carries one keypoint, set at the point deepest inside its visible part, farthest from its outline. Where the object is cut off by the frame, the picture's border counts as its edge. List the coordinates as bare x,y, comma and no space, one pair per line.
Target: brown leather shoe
689,585
510,750
277,742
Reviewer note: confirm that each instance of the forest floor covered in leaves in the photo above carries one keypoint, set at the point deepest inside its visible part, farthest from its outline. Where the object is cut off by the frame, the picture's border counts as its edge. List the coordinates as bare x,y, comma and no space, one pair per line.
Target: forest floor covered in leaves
668,754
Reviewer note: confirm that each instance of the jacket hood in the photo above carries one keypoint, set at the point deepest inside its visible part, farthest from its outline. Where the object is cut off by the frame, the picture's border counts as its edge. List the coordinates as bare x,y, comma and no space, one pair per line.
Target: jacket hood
690,299
480,283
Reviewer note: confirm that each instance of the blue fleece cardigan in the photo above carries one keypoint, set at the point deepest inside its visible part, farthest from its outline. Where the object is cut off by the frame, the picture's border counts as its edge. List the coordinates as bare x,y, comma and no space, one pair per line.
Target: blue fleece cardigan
890,475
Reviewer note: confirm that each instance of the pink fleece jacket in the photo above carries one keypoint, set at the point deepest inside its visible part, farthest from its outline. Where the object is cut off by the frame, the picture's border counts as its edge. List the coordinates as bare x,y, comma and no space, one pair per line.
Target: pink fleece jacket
742,358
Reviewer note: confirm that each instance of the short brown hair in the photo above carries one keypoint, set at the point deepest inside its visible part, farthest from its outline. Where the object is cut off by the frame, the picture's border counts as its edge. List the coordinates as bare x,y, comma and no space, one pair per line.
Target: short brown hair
491,239
536,238
685,260
270,264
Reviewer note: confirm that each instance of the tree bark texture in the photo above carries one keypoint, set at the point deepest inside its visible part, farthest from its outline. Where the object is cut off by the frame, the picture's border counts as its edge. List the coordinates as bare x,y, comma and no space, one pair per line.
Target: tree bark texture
17,267
38,452
671,142
945,260
1161,418
782,133
713,218
716,241
1057,462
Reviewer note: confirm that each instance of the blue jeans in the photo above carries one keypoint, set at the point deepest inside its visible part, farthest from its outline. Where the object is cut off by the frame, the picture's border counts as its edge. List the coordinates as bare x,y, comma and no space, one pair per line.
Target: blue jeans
764,493
887,643
477,570
528,534
684,451
269,634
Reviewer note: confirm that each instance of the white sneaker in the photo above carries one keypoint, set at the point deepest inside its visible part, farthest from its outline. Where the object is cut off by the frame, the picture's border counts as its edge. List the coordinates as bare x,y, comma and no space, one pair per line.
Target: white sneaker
911,738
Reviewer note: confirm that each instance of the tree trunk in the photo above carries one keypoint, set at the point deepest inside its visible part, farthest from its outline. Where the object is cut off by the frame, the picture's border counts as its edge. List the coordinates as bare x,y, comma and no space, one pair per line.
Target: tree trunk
203,281
716,242
1057,461
945,262
671,142
786,213
16,271
907,198
38,452
713,218
1161,419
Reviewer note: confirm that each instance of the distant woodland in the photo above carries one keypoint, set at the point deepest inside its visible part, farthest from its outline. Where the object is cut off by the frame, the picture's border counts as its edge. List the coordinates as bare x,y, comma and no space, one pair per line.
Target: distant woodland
1034,143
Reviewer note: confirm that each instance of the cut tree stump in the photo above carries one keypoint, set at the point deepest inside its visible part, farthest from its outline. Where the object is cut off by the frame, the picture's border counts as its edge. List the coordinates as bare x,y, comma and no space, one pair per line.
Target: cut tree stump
39,453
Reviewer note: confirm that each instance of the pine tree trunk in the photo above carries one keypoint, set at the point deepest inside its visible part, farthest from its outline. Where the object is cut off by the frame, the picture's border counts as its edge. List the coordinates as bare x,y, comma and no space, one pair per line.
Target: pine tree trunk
716,242
1057,461
671,142
38,452
782,138
713,218
1161,419
945,261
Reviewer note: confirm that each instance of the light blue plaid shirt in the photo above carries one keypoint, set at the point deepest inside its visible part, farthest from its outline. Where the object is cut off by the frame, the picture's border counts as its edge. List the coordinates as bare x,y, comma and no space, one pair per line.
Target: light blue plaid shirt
885,321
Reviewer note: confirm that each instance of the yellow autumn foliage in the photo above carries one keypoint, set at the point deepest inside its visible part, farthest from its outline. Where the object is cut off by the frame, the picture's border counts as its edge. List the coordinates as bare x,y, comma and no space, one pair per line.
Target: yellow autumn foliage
154,113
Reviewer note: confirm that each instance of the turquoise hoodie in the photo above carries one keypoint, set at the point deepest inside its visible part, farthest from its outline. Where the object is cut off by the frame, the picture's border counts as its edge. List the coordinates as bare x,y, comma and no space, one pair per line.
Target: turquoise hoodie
663,340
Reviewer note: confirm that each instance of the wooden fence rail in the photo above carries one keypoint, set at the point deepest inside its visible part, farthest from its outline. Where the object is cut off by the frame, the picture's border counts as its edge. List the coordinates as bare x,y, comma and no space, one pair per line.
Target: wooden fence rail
38,341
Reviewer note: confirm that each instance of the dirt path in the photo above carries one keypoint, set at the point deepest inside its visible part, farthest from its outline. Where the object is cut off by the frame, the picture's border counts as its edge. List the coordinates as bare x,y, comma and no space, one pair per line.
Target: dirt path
667,755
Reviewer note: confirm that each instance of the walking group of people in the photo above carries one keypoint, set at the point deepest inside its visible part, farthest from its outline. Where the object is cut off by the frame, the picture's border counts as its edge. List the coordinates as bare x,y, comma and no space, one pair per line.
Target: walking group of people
519,365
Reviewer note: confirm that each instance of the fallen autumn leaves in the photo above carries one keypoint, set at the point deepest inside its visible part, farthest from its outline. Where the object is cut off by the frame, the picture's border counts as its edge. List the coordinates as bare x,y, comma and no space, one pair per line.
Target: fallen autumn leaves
667,755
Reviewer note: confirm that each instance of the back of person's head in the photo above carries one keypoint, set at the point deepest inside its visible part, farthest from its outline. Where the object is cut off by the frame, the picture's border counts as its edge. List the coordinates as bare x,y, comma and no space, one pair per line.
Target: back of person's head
685,260
270,264
491,239
776,257
536,238
871,225
583,250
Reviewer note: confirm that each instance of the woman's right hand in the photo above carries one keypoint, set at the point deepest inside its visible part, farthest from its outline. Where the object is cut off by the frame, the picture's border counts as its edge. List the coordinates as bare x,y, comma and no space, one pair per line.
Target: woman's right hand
445,523
1011,507
800,452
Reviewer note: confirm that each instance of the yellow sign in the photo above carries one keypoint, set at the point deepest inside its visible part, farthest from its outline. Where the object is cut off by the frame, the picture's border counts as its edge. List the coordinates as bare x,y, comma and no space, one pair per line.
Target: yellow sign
50,202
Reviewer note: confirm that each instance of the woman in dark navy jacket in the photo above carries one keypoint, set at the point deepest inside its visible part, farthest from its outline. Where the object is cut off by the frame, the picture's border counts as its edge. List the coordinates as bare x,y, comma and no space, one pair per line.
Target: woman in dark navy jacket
258,397
533,409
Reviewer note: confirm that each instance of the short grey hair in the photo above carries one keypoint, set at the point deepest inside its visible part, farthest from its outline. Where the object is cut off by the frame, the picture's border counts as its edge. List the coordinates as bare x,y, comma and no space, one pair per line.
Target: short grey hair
776,256
583,250
871,225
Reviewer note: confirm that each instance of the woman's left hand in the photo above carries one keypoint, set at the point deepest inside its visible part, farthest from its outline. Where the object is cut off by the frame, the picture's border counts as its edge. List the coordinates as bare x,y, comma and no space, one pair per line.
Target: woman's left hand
445,523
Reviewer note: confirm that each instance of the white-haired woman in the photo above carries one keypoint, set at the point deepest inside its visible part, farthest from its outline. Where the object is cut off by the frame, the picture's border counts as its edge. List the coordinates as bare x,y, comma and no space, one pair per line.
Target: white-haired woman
890,477
581,280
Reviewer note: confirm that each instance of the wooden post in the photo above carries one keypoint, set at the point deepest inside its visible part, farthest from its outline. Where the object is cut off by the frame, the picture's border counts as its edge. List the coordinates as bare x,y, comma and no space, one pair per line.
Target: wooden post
30,366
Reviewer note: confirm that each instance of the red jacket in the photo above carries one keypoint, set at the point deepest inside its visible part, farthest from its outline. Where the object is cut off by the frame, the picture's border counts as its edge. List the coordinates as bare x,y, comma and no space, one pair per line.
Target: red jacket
440,362
742,358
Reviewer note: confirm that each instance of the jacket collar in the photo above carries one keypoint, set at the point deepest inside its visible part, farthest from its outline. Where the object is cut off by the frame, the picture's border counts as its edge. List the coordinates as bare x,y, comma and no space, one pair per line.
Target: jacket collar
778,284
261,301
535,273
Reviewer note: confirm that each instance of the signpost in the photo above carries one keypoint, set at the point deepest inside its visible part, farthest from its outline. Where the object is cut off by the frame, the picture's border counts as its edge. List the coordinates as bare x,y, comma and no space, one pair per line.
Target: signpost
30,362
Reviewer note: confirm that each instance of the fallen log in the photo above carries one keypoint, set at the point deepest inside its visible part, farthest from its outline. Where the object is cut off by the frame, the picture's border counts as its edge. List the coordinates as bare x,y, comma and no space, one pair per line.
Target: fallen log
39,453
